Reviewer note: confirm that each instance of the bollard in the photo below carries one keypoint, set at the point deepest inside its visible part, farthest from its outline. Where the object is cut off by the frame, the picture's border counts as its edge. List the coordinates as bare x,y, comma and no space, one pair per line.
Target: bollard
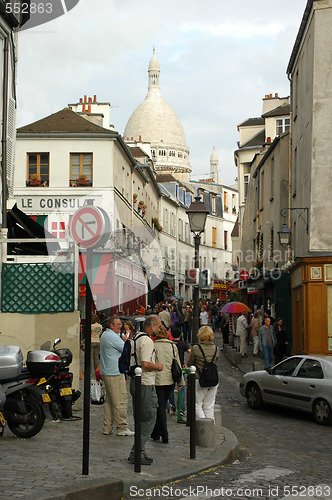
205,432
192,410
137,418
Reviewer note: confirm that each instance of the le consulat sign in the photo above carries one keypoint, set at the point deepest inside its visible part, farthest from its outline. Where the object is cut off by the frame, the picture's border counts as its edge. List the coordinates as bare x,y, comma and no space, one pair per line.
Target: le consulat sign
51,203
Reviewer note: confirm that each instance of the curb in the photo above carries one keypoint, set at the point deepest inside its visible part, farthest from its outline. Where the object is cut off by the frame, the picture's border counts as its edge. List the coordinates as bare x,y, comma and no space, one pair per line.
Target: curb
225,452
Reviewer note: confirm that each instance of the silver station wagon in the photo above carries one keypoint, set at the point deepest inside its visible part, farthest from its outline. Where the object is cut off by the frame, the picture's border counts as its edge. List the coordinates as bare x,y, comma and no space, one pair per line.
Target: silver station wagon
299,382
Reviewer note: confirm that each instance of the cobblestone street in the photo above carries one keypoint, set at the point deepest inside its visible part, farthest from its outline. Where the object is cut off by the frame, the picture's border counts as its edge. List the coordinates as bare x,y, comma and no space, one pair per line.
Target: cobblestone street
283,454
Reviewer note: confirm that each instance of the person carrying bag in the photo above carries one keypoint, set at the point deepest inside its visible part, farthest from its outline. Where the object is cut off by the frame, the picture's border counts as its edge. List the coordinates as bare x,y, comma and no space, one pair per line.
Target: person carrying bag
204,358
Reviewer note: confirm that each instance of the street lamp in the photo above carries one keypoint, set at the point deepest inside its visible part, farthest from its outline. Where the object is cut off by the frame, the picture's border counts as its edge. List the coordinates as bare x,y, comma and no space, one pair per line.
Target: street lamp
284,232
197,214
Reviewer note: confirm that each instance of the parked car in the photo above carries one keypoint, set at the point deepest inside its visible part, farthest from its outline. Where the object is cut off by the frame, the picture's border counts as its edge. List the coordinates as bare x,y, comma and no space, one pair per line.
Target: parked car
299,382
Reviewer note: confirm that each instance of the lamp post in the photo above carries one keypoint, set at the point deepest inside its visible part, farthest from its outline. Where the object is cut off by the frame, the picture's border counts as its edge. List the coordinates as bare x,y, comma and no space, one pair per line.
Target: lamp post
197,214
284,232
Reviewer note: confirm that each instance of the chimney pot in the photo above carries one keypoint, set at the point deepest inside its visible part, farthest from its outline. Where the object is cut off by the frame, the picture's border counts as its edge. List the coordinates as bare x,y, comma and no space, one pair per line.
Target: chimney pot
132,138
276,95
266,96
95,98
70,107
81,100
89,108
270,96
139,138
268,139
85,98
90,99
83,108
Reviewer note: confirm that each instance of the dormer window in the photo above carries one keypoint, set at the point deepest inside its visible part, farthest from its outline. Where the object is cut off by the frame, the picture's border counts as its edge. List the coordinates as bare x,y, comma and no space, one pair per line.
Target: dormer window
282,125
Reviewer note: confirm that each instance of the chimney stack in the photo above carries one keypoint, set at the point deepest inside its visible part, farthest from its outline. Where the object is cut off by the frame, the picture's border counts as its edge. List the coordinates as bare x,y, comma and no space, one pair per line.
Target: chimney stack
94,98
81,100
85,99
90,99
89,108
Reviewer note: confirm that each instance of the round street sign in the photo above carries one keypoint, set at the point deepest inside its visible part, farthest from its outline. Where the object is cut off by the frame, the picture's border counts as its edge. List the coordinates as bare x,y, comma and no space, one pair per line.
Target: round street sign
90,227
244,275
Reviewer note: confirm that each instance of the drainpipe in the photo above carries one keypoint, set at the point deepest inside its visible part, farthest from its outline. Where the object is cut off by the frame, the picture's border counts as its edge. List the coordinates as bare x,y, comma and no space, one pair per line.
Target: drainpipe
290,158
4,229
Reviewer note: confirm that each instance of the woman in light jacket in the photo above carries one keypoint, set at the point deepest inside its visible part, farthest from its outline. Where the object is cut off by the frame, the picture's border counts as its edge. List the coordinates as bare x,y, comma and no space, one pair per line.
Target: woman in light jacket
205,396
165,351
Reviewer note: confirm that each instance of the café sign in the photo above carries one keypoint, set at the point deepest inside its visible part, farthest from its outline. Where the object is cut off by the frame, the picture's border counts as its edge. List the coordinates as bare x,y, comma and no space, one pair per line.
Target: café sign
47,203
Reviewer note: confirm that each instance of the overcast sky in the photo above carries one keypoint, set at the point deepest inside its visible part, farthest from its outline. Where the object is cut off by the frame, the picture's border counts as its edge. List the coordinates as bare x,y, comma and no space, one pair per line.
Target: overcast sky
218,59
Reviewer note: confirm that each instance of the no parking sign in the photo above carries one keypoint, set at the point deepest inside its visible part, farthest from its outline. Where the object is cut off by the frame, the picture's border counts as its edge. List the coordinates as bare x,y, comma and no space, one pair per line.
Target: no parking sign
90,227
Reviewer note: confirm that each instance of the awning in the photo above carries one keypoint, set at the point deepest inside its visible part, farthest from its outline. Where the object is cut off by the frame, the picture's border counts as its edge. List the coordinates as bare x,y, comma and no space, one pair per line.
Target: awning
100,268
21,226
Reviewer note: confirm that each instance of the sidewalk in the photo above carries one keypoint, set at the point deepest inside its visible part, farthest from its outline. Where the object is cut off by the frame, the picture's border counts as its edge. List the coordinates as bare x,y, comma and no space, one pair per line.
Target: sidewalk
49,466
245,365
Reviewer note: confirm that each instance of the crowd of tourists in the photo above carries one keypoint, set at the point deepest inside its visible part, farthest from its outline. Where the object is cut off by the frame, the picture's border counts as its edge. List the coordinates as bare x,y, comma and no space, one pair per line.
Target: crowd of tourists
166,339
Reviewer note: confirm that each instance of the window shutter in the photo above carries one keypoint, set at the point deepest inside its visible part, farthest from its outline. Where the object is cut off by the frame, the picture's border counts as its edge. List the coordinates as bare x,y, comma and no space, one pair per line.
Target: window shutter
10,157
207,201
219,206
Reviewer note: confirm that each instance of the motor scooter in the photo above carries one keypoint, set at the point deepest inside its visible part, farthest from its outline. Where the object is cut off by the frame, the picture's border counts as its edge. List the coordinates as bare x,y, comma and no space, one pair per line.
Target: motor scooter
26,406
57,384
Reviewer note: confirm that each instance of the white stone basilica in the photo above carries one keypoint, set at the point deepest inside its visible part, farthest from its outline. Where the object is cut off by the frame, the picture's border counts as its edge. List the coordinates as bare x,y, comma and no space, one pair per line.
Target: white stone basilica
154,122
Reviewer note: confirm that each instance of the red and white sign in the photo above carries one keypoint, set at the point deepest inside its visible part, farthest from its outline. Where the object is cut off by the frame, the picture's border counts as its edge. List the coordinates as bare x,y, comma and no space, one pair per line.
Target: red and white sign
192,276
244,275
90,227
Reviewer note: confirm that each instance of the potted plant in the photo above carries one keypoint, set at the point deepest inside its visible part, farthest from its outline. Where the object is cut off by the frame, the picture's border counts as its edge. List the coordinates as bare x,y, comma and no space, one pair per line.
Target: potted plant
234,210
35,180
226,208
143,212
82,180
157,226
135,197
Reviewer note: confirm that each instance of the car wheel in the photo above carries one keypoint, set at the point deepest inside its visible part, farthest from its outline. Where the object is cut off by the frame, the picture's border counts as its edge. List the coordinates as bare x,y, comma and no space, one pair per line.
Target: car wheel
254,397
322,412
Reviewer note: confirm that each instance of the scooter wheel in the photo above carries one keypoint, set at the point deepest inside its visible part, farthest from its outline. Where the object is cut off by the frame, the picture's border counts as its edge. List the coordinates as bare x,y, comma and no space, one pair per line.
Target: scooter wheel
66,410
34,420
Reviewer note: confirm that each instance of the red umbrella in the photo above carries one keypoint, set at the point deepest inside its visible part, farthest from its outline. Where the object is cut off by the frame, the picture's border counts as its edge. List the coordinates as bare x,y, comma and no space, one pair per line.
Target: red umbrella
234,308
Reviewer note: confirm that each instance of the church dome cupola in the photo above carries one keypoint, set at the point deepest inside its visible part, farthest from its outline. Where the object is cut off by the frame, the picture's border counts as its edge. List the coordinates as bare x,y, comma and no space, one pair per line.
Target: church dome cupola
154,72
155,122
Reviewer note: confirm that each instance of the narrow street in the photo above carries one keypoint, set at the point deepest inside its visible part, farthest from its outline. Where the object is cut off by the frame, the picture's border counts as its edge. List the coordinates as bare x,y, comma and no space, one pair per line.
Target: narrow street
283,454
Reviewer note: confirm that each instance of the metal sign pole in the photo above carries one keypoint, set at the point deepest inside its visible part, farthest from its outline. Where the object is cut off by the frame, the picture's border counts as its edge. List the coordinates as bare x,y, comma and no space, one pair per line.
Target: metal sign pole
90,228
87,363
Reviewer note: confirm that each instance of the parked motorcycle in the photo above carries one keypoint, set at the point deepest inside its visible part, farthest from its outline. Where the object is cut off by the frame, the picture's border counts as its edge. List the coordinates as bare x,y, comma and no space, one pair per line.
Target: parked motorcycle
57,383
26,406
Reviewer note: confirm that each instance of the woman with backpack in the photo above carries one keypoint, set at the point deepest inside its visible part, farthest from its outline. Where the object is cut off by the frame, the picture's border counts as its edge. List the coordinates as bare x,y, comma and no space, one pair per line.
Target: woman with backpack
204,357
165,352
